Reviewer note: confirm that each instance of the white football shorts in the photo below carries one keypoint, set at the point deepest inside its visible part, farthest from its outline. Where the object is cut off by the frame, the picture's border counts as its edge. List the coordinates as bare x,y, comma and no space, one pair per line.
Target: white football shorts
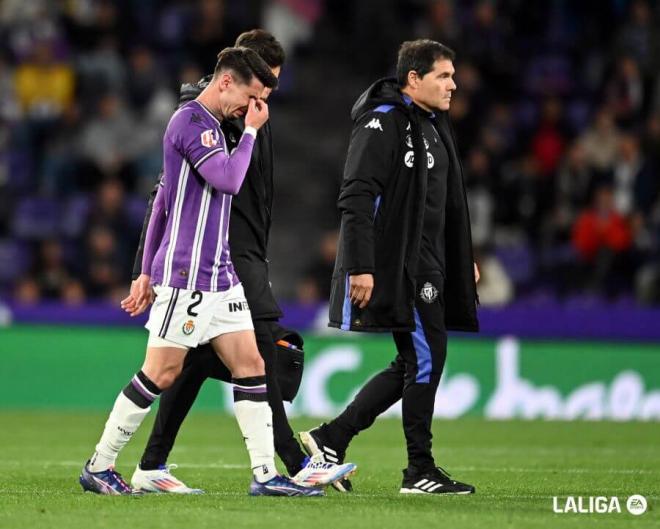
189,318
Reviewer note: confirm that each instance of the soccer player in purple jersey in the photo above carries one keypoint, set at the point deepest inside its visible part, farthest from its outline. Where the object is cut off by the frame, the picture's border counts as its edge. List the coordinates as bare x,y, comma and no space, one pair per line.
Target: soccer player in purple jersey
199,298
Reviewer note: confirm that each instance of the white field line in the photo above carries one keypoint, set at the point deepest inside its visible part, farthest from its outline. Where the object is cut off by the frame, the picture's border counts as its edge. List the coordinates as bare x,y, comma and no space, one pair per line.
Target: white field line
359,495
220,465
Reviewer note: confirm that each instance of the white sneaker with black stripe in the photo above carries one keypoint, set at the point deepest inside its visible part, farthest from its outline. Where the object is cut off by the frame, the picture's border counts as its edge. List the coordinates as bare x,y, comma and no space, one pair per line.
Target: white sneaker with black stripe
316,444
433,481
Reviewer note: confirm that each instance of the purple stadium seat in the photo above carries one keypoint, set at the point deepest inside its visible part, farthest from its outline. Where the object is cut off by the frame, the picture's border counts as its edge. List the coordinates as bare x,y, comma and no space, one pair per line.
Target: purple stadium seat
36,218
136,207
518,261
14,261
75,215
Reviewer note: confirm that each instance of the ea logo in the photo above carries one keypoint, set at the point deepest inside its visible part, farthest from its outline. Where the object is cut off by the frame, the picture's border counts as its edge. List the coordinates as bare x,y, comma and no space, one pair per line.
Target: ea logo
409,159
636,504
429,160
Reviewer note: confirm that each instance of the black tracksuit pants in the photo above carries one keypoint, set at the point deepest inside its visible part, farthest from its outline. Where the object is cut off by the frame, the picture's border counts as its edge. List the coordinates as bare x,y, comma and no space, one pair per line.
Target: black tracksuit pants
413,377
202,363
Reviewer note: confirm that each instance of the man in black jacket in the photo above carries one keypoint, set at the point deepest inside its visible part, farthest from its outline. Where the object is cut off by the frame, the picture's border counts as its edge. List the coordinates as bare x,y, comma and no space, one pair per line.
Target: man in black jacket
249,228
404,262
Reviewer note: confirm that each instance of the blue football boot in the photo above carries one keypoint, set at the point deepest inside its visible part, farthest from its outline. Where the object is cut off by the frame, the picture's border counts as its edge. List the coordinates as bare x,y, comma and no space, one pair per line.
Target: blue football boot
281,486
107,482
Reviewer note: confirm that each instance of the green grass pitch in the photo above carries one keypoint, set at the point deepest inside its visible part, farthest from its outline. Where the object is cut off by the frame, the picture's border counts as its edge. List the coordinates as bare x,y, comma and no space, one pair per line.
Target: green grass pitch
517,468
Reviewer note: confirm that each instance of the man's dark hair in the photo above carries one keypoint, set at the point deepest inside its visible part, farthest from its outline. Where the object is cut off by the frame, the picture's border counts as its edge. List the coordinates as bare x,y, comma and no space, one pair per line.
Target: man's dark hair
419,56
245,64
265,44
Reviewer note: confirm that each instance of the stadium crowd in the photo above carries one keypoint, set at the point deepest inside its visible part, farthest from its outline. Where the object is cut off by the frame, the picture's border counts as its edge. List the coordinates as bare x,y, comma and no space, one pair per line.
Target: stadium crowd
557,116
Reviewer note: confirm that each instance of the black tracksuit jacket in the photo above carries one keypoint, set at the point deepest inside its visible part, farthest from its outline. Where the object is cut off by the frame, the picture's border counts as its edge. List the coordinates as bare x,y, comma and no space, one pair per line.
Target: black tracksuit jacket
382,201
250,220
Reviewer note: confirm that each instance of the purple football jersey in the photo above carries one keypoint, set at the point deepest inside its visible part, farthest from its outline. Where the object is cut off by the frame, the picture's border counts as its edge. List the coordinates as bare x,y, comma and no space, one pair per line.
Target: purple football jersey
192,249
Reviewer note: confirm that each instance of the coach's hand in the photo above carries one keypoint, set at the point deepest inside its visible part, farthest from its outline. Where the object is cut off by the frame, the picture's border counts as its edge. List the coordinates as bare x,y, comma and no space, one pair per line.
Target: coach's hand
360,288
257,113
140,296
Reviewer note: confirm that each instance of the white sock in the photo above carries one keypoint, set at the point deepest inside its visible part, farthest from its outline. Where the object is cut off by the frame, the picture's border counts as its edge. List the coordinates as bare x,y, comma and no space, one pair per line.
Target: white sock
255,419
125,418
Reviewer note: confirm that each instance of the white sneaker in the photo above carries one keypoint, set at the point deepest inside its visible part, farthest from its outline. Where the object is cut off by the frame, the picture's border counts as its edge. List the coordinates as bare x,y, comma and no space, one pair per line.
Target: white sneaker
160,480
319,473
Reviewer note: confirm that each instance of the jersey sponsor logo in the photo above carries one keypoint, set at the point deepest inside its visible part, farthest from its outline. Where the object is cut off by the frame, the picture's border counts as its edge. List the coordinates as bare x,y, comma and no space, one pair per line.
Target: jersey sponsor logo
430,162
188,327
210,138
374,124
238,306
428,293
409,159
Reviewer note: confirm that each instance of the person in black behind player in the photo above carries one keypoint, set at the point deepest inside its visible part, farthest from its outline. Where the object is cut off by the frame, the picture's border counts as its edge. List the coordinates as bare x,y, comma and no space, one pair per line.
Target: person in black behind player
248,239
404,263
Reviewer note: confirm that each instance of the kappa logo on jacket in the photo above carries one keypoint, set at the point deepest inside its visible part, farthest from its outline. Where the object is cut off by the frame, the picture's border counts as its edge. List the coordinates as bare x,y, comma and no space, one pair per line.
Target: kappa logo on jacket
374,124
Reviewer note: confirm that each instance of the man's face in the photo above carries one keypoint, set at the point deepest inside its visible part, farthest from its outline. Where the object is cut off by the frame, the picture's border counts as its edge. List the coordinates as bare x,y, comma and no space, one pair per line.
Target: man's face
235,95
433,91
267,91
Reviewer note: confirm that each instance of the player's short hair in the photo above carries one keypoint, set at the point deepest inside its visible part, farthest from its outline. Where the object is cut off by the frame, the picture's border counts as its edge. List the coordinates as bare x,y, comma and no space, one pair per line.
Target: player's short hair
419,56
245,64
265,44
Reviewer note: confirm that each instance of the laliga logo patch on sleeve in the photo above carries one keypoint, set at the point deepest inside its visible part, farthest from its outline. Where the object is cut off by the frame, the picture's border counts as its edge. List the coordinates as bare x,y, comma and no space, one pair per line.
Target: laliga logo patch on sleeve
210,138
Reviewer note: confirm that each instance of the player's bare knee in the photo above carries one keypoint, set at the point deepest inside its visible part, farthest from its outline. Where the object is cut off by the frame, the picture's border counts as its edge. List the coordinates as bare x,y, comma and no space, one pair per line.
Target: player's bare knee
250,366
163,376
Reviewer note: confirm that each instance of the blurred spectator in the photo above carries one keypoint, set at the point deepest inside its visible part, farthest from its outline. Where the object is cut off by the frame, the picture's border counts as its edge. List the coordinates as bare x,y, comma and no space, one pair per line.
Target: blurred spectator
50,279
495,287
44,85
291,21
603,238
549,140
478,176
107,142
441,24
635,181
315,284
104,272
625,93
210,35
601,142
639,36
574,186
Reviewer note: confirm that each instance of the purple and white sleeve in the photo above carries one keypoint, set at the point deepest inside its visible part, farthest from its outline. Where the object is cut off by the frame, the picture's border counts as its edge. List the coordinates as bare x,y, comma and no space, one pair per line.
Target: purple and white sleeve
227,172
155,231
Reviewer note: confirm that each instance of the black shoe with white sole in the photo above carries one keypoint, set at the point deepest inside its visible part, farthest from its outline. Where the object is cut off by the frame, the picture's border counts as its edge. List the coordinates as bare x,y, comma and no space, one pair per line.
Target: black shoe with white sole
315,442
433,481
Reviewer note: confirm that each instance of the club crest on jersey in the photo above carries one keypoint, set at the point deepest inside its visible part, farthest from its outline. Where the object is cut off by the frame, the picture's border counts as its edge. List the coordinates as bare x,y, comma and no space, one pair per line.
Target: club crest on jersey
428,293
210,138
188,327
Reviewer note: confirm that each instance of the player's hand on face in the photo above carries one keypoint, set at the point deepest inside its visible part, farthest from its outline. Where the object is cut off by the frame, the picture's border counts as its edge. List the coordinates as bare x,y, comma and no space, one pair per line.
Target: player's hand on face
360,288
140,296
477,275
257,113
